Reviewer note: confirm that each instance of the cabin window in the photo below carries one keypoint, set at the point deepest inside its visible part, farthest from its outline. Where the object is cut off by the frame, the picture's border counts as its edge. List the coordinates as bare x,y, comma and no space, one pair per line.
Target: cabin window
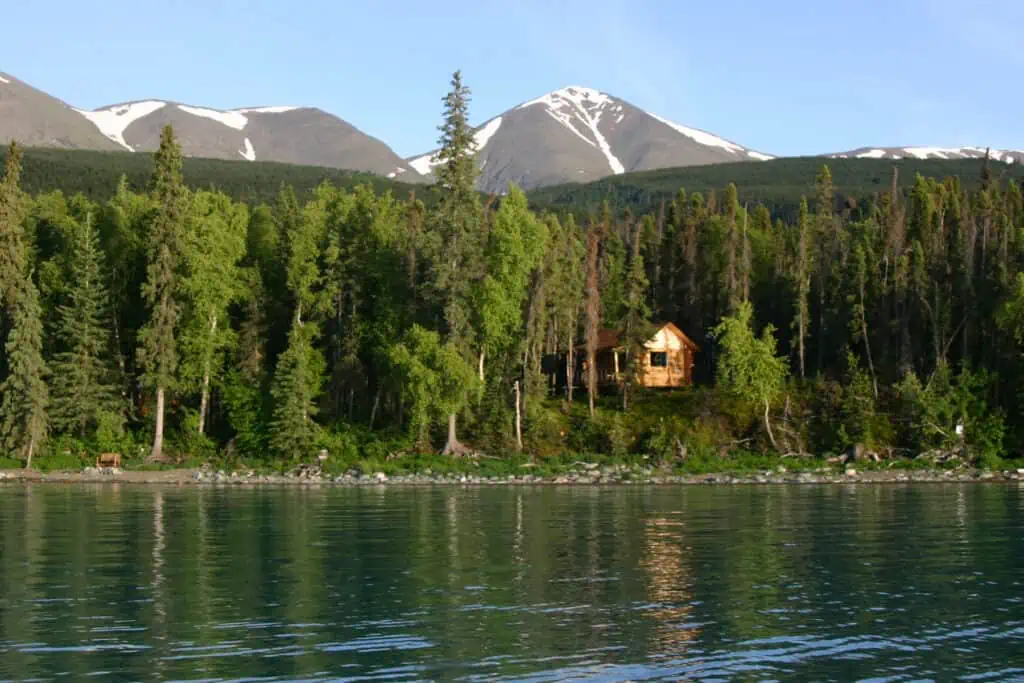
659,359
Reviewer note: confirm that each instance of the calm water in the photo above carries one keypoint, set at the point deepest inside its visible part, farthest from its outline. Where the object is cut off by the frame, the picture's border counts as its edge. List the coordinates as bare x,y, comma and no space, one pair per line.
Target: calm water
784,583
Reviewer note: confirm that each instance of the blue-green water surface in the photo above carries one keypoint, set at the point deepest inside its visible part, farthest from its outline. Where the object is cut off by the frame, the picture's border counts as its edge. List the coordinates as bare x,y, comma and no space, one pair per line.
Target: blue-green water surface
882,583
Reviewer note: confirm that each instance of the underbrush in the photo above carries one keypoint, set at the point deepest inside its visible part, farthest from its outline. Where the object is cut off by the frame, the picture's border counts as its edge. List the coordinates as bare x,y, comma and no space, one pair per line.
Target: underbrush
817,425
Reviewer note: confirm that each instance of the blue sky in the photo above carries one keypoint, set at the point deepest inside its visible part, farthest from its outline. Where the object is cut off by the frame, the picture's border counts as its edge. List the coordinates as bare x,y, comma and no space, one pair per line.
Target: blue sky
782,76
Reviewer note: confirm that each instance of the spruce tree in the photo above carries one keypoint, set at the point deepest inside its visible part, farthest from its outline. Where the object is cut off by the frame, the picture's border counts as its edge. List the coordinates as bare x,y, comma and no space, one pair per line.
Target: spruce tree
84,387
12,241
24,422
458,226
297,382
158,353
298,376
636,325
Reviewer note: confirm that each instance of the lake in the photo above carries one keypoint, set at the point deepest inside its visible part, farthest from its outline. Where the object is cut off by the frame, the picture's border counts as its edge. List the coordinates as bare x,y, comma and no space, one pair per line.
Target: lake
847,582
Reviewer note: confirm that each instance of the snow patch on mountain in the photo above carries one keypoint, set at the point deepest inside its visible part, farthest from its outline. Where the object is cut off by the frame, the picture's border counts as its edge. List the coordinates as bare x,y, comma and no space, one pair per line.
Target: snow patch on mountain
759,156
486,132
113,121
266,110
249,154
700,136
399,170
231,119
928,152
586,105
425,164
4,80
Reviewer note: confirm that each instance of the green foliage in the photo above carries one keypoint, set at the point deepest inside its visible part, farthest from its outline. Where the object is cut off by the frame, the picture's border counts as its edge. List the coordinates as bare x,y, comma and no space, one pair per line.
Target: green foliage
112,437
97,175
516,242
159,351
778,184
934,410
13,255
434,379
748,366
281,315
213,244
246,412
84,389
297,382
189,441
456,218
24,417
861,421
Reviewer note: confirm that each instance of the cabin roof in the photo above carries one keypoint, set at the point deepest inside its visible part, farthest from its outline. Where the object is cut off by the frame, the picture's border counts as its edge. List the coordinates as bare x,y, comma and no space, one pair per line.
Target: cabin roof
609,338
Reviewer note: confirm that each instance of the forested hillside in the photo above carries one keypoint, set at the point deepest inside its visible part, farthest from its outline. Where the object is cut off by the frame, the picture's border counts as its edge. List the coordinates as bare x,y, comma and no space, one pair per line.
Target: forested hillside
178,316
96,175
778,184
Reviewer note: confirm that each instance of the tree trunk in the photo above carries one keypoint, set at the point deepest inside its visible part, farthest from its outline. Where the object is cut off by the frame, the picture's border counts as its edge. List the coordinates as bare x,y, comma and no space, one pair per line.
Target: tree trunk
31,450
519,419
803,334
376,406
204,400
452,446
158,433
871,362
867,339
768,426
570,370
481,366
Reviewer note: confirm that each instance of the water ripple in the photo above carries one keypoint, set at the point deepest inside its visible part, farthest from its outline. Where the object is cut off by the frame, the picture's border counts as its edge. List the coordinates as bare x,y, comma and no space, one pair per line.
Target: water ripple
818,583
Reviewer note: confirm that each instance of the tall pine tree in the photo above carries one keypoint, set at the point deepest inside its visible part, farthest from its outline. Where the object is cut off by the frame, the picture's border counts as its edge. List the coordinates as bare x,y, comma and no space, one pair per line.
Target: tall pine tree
298,376
159,352
12,240
297,381
24,421
84,386
457,223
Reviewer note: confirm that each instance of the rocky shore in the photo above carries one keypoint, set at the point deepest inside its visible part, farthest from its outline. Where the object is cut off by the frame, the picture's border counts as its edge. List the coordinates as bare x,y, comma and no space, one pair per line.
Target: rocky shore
587,475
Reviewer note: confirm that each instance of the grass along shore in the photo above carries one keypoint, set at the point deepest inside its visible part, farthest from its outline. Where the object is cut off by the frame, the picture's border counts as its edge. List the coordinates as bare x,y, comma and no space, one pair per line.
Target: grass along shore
436,469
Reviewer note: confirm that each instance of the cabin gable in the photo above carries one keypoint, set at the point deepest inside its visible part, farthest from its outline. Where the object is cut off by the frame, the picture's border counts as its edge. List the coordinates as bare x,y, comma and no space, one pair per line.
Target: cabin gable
667,361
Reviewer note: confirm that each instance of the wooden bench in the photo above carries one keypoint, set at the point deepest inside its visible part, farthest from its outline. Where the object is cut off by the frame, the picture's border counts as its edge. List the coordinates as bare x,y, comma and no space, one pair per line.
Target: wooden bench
108,460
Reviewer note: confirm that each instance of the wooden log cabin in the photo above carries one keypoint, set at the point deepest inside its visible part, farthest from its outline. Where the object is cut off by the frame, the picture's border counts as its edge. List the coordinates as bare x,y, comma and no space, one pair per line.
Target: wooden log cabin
667,361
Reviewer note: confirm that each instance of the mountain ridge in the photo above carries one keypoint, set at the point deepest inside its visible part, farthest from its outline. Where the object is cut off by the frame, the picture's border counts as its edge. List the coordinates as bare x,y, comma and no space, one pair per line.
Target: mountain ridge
575,134
578,134
291,134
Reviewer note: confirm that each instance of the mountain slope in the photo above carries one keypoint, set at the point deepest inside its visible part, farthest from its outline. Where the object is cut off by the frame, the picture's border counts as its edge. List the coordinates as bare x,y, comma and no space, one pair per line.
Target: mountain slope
1009,156
579,134
299,135
34,118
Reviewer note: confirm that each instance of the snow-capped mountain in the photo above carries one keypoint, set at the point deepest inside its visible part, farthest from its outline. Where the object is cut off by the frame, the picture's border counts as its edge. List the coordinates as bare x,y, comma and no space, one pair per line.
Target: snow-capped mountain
1009,156
577,134
299,135
574,134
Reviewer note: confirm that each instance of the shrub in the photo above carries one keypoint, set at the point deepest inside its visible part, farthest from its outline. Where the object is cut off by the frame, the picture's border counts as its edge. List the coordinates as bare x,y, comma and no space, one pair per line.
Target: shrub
934,411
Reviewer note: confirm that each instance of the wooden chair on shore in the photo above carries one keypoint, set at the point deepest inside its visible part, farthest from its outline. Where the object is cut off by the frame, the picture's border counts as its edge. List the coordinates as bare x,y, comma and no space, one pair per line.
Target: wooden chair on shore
108,460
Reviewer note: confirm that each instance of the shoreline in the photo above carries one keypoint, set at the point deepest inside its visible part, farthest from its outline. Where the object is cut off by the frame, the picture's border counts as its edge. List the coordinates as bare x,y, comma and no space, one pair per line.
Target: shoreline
196,477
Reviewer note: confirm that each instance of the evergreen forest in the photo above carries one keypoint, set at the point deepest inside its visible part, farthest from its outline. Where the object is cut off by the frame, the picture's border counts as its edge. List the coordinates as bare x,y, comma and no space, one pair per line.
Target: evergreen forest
177,321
